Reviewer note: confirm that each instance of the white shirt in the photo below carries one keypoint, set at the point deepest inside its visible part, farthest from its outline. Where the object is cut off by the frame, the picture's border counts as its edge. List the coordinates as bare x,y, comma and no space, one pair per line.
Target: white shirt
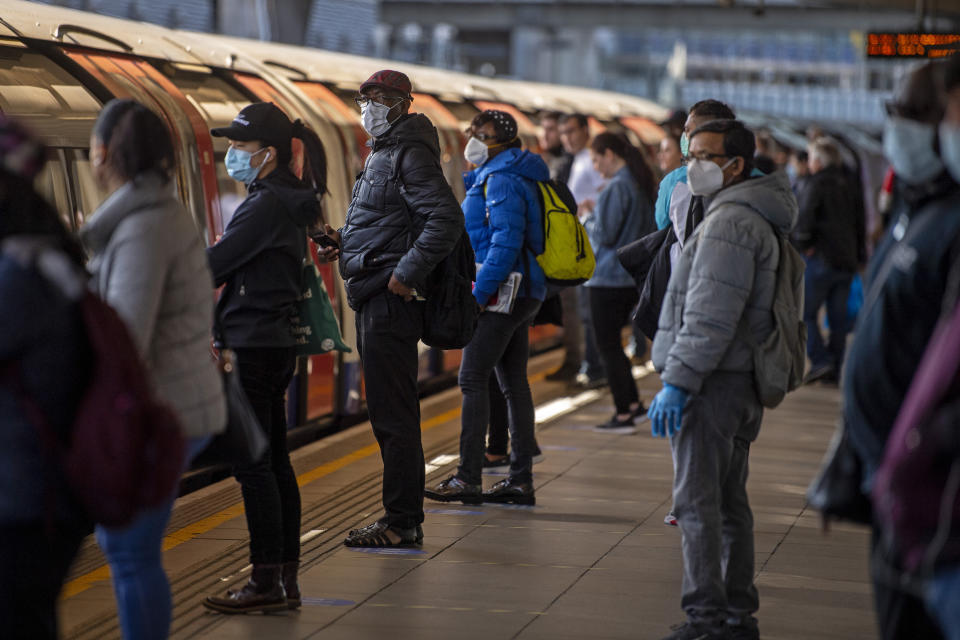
585,182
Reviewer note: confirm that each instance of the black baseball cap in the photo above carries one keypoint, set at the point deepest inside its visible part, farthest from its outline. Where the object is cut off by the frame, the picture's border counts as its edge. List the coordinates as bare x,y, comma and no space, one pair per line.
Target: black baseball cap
258,121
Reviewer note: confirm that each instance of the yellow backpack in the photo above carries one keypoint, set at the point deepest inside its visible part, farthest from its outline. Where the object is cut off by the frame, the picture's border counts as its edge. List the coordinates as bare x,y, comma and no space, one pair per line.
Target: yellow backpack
567,258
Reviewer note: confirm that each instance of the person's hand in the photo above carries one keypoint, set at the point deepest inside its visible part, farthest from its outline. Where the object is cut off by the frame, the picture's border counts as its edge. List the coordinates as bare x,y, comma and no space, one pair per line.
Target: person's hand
585,208
402,290
326,252
666,411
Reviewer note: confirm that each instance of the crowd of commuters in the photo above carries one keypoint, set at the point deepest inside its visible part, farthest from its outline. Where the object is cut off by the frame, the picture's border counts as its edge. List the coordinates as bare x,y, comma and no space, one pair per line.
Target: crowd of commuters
731,198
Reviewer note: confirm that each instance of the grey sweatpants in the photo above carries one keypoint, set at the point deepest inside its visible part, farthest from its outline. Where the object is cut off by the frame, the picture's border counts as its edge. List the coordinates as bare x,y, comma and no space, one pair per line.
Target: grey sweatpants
710,500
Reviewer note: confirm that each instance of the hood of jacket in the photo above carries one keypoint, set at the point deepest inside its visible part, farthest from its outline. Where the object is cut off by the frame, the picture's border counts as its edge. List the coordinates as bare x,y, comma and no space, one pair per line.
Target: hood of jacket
412,127
522,163
146,191
298,199
771,196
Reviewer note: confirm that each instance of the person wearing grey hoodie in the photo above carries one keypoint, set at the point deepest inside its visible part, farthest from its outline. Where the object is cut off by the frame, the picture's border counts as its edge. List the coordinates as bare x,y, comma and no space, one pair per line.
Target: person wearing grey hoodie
148,263
718,300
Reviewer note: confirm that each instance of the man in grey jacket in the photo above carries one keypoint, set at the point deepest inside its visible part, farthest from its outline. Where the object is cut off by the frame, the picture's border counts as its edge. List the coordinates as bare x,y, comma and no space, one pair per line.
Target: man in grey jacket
720,292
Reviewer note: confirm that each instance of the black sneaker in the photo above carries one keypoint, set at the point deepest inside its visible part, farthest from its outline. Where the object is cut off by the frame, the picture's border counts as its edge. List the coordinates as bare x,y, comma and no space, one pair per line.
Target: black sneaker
743,632
566,373
510,492
818,372
380,534
500,464
639,414
615,425
692,631
453,489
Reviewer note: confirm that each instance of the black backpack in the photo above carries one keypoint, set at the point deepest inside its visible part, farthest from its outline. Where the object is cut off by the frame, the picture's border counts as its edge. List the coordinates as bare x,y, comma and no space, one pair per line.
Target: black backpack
452,311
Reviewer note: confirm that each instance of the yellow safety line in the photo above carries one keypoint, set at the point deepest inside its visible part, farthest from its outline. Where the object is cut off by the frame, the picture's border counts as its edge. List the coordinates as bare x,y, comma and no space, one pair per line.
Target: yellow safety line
191,531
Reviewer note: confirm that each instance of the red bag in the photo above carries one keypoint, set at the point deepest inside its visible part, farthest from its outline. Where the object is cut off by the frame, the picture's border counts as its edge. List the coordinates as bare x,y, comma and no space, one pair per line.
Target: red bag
125,450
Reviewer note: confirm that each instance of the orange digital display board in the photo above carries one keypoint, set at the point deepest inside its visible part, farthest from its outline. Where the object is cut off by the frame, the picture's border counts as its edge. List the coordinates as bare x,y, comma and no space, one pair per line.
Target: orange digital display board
912,45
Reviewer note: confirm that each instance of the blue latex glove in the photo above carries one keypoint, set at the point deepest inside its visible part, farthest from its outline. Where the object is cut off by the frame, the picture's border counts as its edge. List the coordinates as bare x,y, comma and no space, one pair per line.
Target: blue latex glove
666,410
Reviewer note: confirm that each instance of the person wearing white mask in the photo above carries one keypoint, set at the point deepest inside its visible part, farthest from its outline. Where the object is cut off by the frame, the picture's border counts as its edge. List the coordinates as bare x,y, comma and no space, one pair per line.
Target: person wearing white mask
402,221
905,284
503,219
718,303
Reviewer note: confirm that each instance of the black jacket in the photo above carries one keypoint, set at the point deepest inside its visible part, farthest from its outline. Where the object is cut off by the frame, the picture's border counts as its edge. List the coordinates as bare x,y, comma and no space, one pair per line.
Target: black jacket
904,288
832,219
403,218
259,259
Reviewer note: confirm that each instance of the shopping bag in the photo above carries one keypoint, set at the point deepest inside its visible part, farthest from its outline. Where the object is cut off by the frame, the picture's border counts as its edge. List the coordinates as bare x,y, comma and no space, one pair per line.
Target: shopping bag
314,323
243,441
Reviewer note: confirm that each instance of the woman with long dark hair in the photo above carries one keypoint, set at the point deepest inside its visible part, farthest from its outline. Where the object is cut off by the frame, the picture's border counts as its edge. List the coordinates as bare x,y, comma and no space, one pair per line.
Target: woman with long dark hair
45,357
258,261
624,212
148,263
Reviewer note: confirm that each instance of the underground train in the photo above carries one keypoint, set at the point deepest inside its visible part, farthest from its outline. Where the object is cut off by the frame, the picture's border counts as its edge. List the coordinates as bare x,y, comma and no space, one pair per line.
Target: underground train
59,66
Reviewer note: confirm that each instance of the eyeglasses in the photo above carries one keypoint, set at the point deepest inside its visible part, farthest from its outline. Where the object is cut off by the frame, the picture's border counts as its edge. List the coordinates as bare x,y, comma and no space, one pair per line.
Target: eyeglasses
704,156
363,101
482,137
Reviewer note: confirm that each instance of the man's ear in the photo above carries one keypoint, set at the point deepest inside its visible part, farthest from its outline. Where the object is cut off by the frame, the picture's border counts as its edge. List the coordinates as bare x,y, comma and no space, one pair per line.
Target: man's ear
738,166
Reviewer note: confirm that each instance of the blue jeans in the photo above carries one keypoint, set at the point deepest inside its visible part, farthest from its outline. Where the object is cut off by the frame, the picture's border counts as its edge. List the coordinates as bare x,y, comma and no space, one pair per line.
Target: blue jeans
140,585
823,284
501,343
941,597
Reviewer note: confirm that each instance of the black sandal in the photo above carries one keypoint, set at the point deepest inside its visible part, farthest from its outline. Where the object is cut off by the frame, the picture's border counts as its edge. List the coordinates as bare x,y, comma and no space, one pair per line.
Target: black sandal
376,535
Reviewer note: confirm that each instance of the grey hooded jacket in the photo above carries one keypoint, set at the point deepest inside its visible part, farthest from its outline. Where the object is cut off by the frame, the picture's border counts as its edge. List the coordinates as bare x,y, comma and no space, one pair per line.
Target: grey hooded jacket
148,263
726,275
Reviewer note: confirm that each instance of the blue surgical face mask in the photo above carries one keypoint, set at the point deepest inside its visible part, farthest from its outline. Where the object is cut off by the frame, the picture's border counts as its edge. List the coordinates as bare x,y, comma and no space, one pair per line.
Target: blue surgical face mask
950,148
684,144
908,146
238,164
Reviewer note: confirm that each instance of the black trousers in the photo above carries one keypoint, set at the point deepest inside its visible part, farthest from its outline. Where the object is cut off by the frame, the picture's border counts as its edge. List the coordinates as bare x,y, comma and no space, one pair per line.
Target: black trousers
388,330
900,615
610,308
33,564
271,496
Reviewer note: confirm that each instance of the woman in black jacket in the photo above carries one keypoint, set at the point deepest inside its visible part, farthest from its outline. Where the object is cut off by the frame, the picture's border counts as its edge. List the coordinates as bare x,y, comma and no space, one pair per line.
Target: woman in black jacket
258,261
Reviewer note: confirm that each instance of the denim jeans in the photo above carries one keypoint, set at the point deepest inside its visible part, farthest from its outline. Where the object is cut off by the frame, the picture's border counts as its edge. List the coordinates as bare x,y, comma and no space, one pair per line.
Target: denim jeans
710,500
942,595
144,604
823,284
502,344
271,497
388,330
592,365
610,308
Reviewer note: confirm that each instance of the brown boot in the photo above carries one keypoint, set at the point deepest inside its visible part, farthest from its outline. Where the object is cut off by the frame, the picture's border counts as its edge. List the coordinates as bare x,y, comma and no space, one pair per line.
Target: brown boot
288,574
264,592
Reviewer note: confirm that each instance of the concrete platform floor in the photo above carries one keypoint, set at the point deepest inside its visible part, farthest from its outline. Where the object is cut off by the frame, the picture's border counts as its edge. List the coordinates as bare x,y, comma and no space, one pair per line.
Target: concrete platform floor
592,560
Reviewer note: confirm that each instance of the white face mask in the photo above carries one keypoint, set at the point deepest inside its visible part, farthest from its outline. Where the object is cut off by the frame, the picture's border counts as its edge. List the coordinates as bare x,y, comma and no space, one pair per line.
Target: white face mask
908,146
374,118
476,152
950,148
705,177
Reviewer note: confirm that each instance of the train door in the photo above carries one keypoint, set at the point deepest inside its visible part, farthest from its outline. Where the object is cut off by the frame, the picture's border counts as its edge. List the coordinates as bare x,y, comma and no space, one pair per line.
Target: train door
125,76
56,107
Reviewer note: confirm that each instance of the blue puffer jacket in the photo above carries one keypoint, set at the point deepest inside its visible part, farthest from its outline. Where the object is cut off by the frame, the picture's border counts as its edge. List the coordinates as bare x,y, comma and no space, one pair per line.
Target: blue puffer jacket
506,223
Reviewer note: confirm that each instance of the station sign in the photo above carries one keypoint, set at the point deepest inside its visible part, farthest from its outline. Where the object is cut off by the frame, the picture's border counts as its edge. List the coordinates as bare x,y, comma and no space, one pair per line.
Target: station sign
912,44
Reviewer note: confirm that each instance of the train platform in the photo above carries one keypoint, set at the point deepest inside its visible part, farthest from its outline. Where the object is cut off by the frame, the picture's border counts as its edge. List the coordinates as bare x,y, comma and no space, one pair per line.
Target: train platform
593,559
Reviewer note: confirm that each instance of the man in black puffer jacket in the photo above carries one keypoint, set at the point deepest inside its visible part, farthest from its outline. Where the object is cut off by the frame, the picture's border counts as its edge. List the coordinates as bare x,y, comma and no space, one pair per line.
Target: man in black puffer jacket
403,220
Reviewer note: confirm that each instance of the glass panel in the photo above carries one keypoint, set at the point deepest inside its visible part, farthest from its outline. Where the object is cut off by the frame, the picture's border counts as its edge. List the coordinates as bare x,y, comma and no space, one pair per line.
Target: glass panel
51,183
34,90
89,195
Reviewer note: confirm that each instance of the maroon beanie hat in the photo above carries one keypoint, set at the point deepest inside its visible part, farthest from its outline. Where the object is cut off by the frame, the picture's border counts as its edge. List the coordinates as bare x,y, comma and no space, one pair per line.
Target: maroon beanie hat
388,79
20,152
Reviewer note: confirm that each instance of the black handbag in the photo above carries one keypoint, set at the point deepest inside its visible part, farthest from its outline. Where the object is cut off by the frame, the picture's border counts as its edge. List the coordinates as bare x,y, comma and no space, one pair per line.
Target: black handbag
243,441
836,491
452,311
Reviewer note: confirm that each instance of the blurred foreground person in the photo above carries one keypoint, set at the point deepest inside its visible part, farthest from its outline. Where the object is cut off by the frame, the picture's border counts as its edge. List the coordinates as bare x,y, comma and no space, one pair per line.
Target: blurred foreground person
390,244
905,284
43,337
624,212
718,303
147,262
258,260
503,218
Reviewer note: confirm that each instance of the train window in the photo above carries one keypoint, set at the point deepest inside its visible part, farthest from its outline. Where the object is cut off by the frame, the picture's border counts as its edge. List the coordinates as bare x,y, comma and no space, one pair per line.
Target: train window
232,192
463,110
216,99
52,184
89,194
36,91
